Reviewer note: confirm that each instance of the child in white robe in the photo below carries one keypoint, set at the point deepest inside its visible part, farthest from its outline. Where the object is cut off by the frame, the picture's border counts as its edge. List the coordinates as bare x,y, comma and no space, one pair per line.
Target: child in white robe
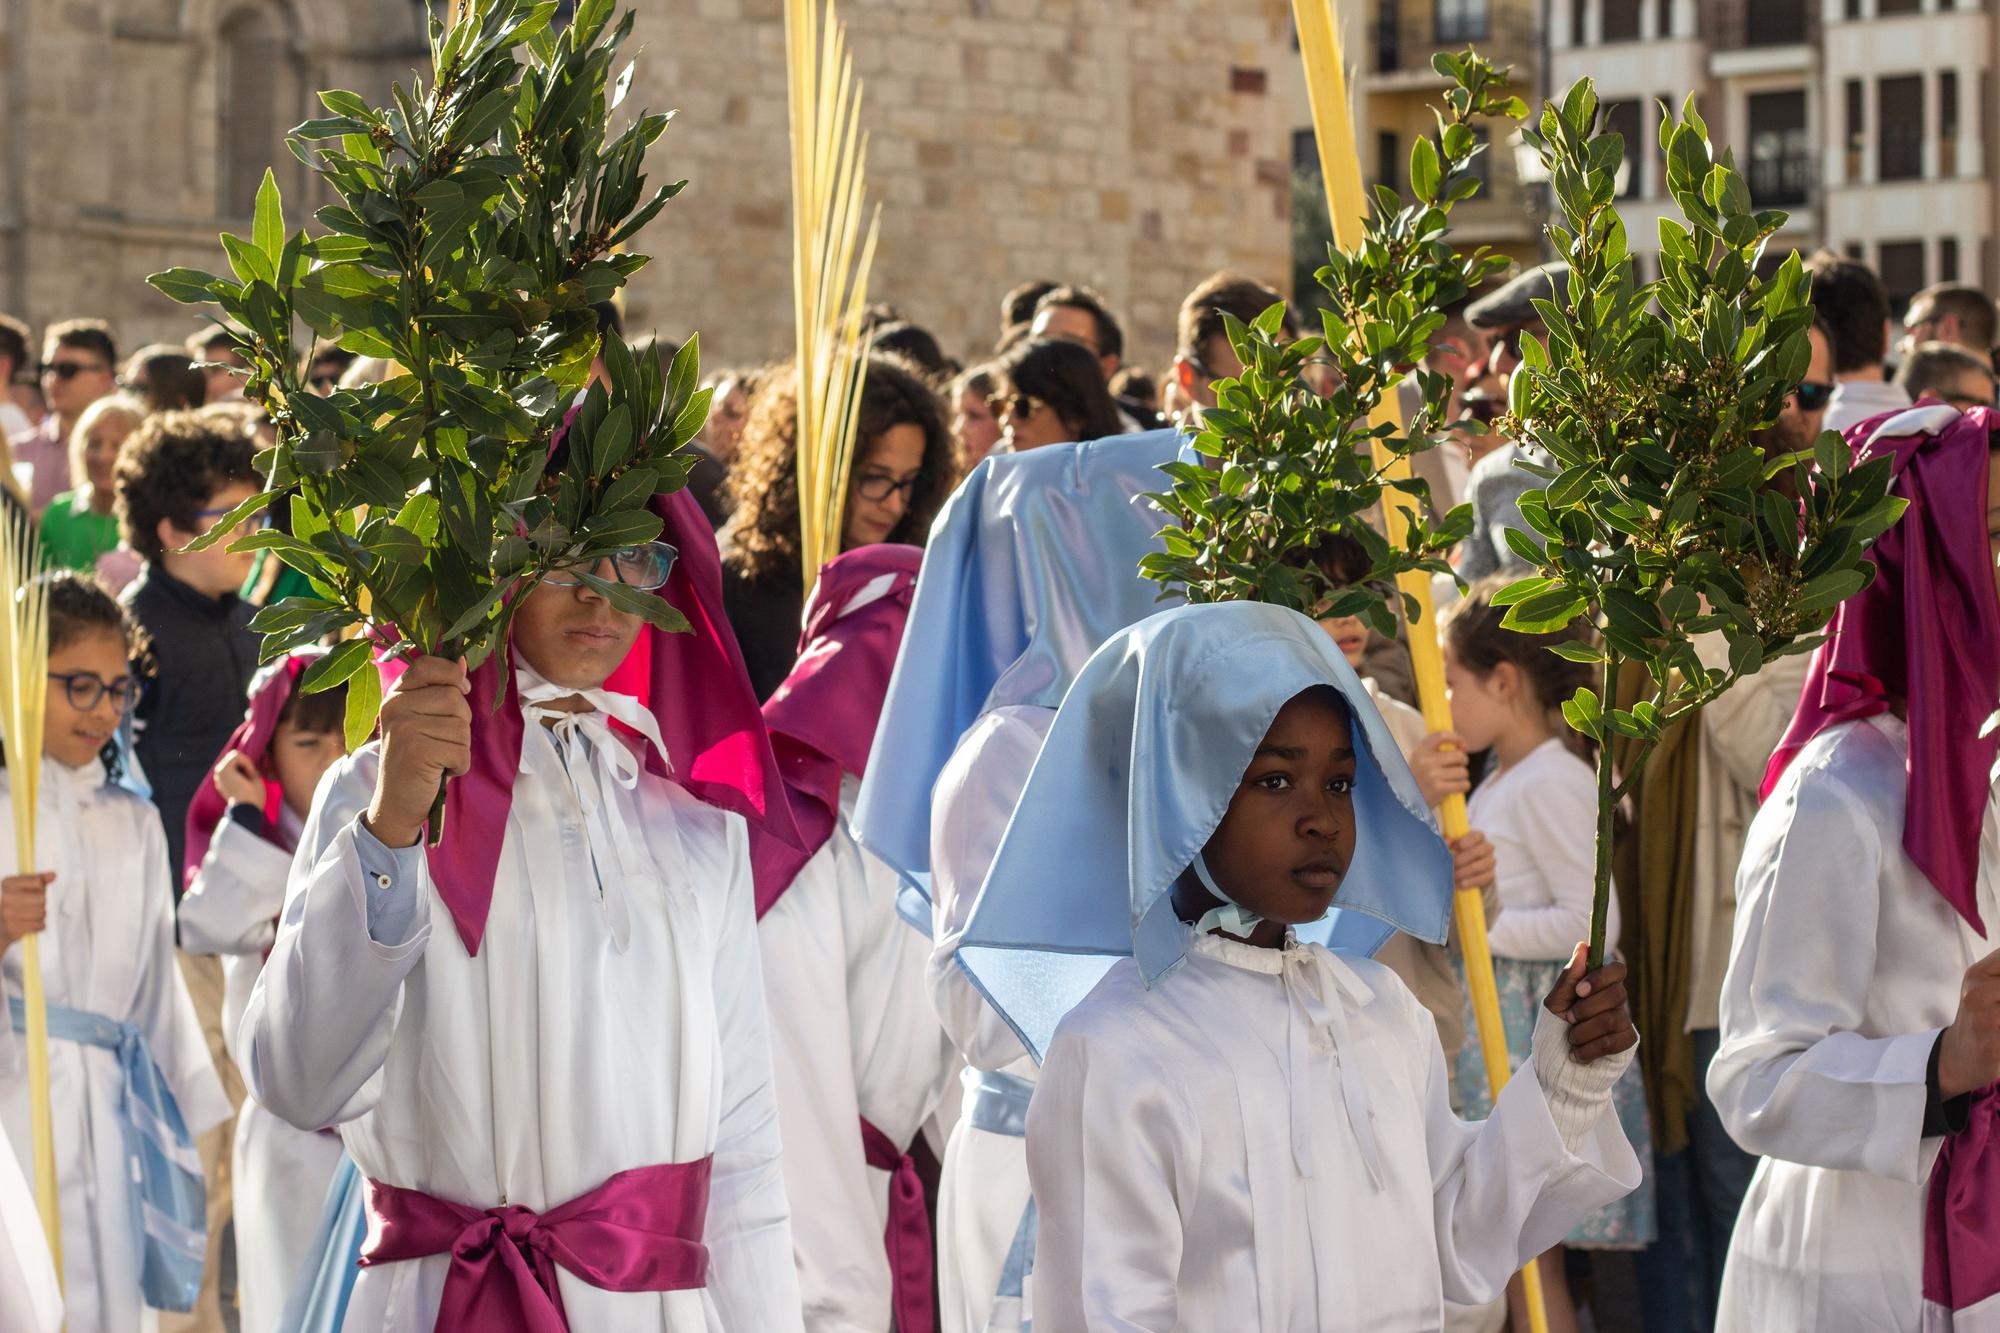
858,1057
104,909
243,825
1861,1010
1032,563
547,1037
1235,1128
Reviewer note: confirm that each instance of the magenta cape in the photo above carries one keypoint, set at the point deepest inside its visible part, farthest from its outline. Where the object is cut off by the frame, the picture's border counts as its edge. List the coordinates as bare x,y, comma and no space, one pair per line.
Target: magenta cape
822,718
699,693
253,736
1926,632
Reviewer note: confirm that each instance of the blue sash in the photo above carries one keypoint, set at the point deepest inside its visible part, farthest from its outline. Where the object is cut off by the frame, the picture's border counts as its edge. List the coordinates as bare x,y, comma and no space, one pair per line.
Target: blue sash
317,1302
168,1201
998,1104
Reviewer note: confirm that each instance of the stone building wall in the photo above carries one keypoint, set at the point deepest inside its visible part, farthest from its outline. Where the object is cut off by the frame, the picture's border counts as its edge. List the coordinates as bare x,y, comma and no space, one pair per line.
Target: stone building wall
1132,144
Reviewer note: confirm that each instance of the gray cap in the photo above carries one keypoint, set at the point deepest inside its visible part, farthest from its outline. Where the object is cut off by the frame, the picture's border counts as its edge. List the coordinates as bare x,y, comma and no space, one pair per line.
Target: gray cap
1513,305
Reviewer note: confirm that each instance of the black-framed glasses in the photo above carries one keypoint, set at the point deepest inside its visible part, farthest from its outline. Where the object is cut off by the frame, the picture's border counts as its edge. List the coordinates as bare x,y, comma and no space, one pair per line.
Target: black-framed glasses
208,518
85,689
880,486
1813,395
69,370
643,567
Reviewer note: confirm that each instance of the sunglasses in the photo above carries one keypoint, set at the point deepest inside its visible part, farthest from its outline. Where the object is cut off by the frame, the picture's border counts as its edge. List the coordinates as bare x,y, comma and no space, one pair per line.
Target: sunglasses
85,689
1813,395
1016,407
69,370
643,567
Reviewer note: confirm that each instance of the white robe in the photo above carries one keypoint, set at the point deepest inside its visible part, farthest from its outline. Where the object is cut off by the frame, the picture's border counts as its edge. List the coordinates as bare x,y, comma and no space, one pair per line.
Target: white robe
1172,1195
1846,966
29,1295
280,1173
985,1187
853,1035
595,1031
108,949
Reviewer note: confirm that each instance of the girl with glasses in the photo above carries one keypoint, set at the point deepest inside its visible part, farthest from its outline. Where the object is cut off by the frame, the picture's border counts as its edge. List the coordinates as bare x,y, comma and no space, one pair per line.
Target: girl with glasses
130,1069
903,468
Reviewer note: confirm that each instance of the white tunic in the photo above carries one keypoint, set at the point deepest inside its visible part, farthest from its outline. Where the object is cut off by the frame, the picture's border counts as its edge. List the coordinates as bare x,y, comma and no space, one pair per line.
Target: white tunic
1540,814
1846,966
280,1173
985,1187
28,1291
596,1031
1172,1195
853,1036
108,949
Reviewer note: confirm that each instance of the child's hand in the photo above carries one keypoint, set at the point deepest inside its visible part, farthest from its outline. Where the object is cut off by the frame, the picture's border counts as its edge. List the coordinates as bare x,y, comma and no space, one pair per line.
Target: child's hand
1594,1006
1441,767
426,738
238,779
1472,863
24,906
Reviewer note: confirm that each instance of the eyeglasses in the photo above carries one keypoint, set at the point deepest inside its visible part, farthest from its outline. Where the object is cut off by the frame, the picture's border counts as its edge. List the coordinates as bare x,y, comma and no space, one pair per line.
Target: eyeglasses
880,486
69,370
643,567
1813,395
84,689
1015,407
208,518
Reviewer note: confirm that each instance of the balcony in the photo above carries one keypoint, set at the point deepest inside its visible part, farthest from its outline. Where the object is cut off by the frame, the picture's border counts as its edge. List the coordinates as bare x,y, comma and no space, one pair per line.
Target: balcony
1760,36
1784,181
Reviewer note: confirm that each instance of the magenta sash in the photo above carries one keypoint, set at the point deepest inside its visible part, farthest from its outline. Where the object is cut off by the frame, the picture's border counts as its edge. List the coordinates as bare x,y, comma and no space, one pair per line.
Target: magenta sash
909,1235
1962,1213
639,1231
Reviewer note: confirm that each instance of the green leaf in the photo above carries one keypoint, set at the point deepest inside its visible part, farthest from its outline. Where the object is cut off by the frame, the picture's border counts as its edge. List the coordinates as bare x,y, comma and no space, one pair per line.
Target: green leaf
267,228
1584,714
347,657
1572,651
189,286
1830,590
1424,172
249,262
1544,612
364,705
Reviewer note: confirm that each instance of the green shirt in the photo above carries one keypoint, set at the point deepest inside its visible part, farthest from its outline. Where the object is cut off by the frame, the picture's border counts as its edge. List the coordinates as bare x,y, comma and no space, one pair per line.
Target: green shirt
73,535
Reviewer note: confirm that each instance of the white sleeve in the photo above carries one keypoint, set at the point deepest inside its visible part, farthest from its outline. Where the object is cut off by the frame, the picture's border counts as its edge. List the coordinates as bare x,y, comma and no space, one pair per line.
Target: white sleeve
1556,814
1112,1147
163,1010
752,1277
1794,1078
843,1269
319,1022
974,798
1506,1188
232,907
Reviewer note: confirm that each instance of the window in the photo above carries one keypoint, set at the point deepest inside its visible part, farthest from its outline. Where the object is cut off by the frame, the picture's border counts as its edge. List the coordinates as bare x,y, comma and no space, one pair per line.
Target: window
1389,159
1663,11
1857,129
1947,123
1305,151
1388,38
1780,154
1576,21
1901,265
1853,9
1899,117
1948,259
1625,118
1462,21
1886,7
1621,20
1774,23
258,99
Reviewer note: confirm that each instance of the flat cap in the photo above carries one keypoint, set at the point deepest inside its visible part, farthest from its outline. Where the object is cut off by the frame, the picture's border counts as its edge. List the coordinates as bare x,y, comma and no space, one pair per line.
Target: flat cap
1513,305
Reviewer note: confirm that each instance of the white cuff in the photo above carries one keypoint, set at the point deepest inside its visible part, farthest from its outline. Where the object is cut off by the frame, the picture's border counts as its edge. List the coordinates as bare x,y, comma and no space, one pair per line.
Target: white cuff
1576,1093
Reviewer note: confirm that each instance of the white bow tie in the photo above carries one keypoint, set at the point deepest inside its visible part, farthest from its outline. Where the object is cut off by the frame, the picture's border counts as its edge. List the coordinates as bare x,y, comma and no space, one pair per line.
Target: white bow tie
598,765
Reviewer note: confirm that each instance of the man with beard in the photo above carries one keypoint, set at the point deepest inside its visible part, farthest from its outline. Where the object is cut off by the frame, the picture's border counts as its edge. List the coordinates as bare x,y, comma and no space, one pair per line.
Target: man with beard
1676,872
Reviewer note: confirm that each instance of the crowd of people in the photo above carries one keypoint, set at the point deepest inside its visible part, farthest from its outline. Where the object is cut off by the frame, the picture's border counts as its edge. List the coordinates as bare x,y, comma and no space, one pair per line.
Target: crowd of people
761,940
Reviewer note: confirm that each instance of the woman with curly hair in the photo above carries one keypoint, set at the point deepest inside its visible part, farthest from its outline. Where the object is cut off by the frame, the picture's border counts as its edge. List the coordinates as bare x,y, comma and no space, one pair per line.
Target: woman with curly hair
903,469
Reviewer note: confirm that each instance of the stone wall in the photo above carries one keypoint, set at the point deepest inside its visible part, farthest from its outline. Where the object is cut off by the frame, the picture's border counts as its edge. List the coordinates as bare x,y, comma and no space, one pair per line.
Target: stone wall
1132,144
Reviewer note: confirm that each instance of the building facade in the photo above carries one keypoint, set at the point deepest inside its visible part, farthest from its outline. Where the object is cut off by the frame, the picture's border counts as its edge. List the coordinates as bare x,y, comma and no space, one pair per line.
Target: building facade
1134,147
1865,120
